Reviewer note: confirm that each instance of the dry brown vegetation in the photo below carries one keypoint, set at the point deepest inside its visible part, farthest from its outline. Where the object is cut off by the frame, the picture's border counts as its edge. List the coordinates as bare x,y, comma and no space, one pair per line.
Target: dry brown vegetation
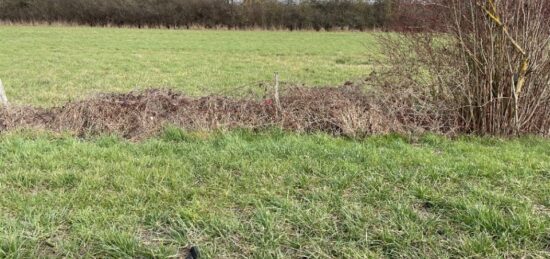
353,110
490,74
345,110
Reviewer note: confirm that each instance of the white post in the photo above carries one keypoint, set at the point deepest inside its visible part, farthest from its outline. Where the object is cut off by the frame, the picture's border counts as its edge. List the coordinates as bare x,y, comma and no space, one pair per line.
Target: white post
277,100
3,97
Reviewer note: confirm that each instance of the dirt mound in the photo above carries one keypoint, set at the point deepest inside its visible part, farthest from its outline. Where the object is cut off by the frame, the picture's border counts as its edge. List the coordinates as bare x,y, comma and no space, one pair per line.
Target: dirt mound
343,110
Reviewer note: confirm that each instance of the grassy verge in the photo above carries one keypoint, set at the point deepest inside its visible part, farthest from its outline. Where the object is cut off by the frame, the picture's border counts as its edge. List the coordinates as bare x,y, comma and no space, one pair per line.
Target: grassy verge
274,194
51,65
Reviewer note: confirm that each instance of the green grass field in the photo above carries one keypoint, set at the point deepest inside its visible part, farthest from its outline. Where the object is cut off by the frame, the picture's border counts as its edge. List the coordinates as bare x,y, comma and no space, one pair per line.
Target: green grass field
51,65
240,194
273,194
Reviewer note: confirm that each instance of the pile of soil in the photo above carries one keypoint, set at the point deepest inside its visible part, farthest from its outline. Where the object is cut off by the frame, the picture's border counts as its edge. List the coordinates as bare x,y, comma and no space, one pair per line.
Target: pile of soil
345,110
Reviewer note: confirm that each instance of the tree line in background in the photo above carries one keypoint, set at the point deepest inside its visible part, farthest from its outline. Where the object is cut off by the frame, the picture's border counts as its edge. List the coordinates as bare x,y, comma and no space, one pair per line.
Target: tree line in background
267,14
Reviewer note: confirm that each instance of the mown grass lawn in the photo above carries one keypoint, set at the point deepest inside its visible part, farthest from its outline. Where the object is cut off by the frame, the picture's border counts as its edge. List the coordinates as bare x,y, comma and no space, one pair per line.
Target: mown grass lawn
273,194
51,65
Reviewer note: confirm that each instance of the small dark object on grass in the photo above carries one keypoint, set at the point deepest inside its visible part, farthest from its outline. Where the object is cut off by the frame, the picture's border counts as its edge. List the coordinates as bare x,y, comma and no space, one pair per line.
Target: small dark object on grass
193,253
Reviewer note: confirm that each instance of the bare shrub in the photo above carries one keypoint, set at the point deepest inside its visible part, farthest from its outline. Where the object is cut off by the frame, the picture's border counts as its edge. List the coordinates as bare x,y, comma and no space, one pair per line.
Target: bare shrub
488,74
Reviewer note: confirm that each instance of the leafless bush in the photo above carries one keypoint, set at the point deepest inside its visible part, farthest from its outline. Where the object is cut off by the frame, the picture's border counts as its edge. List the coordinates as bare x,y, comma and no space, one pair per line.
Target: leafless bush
488,74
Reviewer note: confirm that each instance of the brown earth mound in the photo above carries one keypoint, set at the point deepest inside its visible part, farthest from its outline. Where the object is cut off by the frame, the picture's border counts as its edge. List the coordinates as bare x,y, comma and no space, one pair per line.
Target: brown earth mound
340,110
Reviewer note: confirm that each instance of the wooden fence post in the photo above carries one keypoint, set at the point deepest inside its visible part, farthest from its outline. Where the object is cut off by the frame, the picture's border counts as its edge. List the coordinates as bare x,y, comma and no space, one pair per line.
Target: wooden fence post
277,98
3,97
